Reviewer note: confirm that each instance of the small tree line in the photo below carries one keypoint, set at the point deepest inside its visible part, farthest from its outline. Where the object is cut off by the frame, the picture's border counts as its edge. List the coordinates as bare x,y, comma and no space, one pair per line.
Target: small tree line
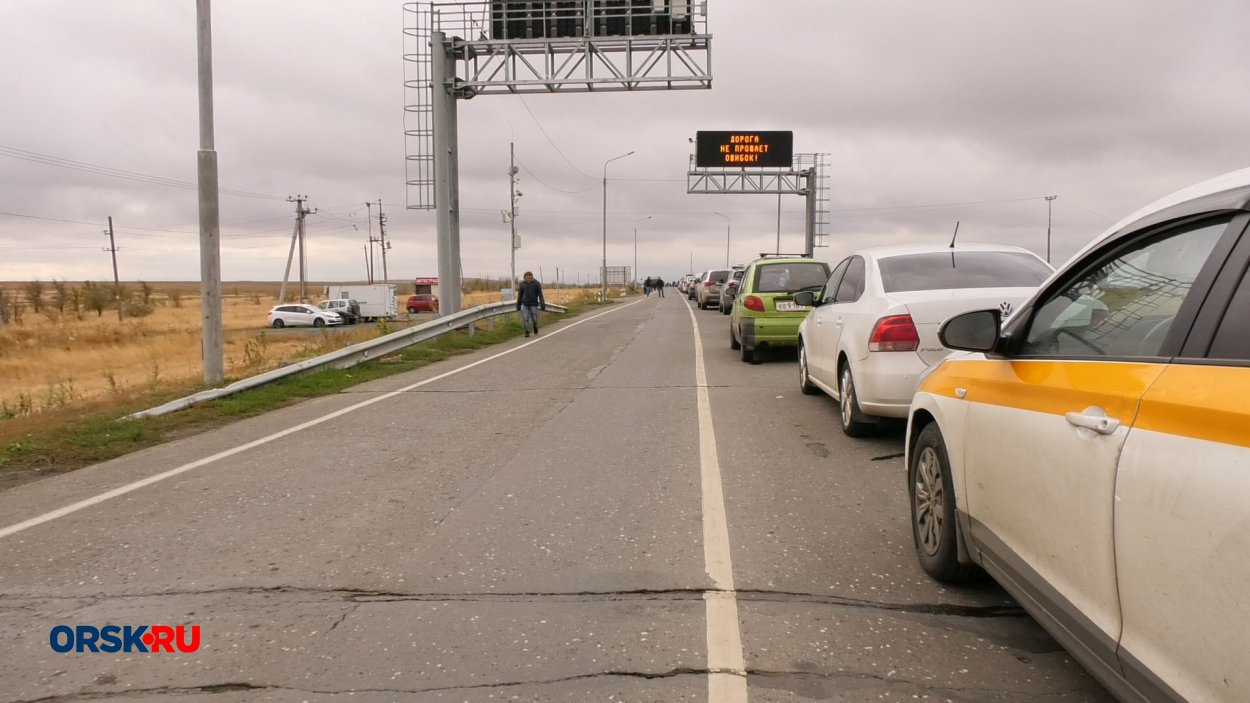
58,298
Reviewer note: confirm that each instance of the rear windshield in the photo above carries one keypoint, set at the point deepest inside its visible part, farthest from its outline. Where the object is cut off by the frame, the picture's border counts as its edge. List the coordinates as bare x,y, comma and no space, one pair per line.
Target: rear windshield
964,269
791,277
717,276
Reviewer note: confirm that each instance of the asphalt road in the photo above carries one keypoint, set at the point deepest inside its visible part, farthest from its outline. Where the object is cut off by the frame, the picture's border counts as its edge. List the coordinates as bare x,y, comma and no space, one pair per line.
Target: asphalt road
594,515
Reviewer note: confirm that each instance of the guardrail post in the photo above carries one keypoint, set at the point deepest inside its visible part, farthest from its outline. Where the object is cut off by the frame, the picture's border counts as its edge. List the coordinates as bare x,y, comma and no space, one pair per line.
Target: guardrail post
472,329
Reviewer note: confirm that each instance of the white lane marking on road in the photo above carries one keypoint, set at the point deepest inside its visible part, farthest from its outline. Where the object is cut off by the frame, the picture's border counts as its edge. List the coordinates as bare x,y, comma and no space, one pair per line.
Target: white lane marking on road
727,676
123,490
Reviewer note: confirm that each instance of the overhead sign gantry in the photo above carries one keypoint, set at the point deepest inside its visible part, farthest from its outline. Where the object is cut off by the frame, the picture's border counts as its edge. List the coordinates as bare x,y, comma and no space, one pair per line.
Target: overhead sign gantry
754,161
459,50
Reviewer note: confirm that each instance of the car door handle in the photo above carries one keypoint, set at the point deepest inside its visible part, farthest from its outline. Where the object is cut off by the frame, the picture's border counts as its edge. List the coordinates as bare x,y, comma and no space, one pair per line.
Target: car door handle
1094,418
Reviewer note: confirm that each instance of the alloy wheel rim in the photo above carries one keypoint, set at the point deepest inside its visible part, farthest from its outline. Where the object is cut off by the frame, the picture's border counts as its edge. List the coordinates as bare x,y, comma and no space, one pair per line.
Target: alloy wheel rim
802,366
929,501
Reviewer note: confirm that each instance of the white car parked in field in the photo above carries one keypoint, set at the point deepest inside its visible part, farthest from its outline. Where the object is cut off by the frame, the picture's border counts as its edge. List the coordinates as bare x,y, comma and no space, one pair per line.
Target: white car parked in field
874,326
299,314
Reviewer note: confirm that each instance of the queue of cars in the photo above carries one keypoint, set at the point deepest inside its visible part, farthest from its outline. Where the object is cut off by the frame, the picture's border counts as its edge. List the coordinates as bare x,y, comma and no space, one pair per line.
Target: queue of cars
1081,435
340,311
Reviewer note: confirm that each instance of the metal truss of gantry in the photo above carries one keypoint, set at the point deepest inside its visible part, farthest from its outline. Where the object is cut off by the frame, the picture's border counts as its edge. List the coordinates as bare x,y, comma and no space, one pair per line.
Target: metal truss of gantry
459,50
809,177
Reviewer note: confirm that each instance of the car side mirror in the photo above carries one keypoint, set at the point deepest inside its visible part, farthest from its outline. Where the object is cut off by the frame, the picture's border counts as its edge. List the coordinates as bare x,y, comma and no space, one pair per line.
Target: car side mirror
976,331
805,298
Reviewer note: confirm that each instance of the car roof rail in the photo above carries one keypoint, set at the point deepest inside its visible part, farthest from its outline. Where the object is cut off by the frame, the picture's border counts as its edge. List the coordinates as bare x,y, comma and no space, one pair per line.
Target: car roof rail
777,255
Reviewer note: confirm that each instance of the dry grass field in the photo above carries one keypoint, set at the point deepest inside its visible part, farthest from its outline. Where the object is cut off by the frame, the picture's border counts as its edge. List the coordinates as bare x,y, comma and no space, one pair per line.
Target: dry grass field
57,358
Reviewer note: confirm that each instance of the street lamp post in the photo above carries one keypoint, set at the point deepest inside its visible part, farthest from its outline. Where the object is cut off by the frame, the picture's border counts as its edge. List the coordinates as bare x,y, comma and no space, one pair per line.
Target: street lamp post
728,227
603,272
1049,199
636,246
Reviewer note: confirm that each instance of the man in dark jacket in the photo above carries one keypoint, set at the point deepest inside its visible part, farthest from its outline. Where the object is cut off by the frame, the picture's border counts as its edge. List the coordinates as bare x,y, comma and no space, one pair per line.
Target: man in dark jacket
529,301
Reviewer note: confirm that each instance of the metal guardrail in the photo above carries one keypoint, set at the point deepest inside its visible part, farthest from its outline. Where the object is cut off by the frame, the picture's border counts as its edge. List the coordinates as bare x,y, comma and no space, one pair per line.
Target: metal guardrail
348,356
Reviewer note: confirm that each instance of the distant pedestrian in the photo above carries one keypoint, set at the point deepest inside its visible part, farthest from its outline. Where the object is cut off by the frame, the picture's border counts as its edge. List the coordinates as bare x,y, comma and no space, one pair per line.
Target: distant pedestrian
646,287
659,286
529,301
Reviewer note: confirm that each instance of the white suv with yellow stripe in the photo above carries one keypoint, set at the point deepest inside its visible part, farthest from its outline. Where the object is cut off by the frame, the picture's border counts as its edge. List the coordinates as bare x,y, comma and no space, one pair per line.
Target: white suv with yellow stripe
1093,454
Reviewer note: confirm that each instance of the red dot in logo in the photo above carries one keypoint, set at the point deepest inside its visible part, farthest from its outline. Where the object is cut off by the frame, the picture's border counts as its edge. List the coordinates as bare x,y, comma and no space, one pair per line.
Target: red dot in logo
148,639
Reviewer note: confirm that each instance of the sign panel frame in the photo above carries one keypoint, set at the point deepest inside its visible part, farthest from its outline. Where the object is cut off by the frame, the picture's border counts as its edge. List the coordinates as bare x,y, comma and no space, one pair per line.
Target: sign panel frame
744,149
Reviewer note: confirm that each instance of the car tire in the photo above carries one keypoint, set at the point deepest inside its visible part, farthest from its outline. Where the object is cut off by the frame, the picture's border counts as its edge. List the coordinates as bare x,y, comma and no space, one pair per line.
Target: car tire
748,355
733,338
278,324
319,322
853,424
805,378
412,311
932,496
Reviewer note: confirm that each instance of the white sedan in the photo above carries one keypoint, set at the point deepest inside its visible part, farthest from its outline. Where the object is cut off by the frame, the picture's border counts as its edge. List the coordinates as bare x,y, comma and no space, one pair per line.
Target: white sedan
299,314
874,326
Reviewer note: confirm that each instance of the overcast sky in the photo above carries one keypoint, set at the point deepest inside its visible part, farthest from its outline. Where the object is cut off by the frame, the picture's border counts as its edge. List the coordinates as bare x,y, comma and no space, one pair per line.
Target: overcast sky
931,113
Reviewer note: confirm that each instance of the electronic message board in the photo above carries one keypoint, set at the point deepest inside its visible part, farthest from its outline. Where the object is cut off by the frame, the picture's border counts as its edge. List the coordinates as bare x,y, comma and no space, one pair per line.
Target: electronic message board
745,149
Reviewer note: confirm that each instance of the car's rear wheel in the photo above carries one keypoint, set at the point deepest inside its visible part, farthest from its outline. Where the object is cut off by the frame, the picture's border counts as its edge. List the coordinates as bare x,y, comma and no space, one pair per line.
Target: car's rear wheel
933,509
733,338
852,423
319,322
278,324
805,379
412,311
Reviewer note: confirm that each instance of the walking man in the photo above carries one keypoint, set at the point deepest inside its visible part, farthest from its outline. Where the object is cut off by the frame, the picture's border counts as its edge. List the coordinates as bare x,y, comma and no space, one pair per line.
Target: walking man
659,286
529,301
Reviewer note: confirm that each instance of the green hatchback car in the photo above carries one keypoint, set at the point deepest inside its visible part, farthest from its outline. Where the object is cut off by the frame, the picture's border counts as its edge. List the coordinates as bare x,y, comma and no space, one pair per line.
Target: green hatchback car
764,312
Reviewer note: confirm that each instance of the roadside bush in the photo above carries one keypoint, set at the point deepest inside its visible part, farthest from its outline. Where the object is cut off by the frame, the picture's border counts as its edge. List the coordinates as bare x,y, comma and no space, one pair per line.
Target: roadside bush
137,308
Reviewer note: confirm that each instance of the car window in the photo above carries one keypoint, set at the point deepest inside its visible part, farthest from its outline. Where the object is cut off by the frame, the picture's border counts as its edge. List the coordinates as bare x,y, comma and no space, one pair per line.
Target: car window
961,269
1123,305
852,285
718,276
831,287
791,277
1232,337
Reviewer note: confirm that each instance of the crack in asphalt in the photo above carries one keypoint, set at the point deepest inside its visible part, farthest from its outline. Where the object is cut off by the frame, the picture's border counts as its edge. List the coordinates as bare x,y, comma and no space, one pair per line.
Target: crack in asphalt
240,686
234,687
364,596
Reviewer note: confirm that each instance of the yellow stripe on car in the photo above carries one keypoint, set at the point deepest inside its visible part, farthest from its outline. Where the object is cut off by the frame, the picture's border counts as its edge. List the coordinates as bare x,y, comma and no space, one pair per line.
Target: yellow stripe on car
1201,402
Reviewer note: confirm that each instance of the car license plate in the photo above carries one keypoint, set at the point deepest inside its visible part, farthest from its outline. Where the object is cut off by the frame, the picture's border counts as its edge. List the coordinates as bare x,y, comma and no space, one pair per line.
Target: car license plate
790,306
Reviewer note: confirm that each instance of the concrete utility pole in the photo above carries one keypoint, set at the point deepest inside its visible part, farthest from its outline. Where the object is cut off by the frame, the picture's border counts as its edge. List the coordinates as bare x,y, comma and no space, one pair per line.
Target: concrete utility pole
369,220
382,239
1049,200
117,281
300,212
513,195
290,255
210,209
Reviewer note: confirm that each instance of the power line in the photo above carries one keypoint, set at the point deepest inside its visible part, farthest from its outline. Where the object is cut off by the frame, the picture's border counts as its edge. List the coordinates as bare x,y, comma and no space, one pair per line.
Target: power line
548,185
552,142
59,162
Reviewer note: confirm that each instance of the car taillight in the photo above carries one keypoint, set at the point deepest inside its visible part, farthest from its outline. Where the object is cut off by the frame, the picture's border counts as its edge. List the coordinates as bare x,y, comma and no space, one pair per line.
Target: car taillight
752,302
894,333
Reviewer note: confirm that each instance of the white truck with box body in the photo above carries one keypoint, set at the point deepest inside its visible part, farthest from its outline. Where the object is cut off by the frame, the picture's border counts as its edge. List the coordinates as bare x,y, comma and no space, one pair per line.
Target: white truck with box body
376,300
